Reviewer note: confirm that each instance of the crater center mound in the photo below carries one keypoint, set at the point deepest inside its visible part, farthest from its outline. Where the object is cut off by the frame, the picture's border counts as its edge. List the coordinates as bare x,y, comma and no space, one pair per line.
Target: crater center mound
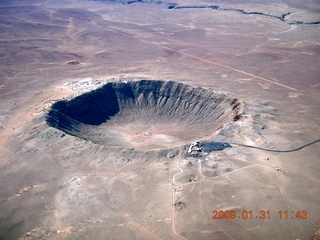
144,114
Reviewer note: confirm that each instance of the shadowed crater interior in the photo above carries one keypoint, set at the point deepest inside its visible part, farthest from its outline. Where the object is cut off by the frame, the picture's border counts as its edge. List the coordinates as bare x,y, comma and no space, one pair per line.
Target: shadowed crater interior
144,114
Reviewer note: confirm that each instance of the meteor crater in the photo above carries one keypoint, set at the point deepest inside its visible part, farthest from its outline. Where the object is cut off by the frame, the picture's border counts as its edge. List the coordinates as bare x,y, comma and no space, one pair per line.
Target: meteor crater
144,114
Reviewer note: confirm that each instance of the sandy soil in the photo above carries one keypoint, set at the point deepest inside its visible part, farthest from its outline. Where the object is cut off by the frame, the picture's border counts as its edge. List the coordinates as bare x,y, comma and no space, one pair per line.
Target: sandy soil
56,186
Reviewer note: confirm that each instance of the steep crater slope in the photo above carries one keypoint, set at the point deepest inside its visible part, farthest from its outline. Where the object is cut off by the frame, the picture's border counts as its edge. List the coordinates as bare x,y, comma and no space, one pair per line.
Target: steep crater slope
144,114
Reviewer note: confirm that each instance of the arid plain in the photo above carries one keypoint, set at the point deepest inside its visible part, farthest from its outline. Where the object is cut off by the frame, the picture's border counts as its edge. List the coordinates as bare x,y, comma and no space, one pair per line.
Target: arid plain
63,184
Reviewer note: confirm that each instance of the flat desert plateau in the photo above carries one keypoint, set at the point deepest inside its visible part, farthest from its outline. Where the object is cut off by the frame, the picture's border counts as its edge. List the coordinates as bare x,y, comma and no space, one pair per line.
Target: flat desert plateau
100,101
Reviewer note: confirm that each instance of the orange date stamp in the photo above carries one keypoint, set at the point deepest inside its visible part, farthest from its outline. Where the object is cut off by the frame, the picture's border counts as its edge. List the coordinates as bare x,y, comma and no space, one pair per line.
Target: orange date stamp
262,214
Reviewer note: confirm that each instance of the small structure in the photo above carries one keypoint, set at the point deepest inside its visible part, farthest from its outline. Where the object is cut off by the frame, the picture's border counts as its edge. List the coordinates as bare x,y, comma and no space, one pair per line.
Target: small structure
195,148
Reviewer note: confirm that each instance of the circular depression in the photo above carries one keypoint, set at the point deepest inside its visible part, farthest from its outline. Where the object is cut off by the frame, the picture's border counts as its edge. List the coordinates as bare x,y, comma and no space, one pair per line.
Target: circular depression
144,114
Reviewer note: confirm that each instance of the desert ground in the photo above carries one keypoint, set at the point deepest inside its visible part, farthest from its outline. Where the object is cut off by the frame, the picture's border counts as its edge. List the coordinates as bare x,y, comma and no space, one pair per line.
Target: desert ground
131,177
